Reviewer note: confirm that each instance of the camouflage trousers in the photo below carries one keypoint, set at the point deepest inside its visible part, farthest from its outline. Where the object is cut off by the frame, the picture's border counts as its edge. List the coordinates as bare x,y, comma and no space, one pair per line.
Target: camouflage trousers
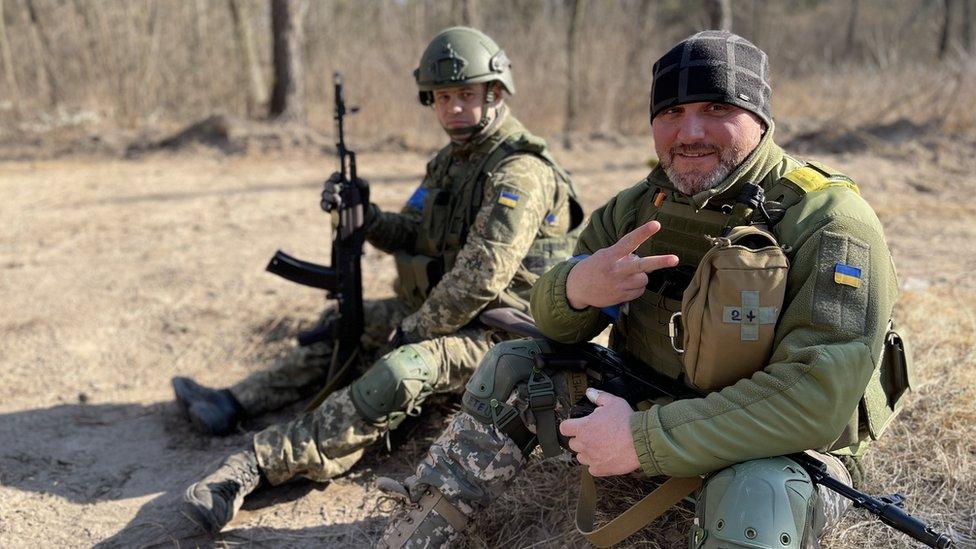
325,442
300,371
472,463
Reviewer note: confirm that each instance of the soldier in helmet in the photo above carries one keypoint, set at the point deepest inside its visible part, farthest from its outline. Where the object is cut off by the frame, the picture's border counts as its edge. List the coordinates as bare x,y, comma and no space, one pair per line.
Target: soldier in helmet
786,350
493,212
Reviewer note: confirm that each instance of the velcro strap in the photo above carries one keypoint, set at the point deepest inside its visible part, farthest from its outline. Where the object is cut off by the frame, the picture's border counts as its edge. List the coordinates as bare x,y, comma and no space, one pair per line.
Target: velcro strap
630,521
507,419
542,402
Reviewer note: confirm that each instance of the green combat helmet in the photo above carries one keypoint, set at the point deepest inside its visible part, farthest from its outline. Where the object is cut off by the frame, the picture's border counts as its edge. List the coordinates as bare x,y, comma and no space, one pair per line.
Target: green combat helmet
458,56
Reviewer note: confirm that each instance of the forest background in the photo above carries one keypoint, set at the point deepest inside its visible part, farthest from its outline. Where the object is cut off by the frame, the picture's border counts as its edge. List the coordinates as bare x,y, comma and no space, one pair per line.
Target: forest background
582,66
155,153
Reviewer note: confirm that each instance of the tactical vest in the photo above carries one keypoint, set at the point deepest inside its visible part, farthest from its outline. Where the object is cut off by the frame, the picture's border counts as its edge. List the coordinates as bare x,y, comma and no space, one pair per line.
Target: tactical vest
642,331
643,328
450,209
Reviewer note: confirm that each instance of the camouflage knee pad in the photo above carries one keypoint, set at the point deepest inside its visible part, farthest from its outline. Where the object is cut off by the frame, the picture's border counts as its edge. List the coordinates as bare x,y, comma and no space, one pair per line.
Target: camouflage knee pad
506,365
763,503
395,386
524,402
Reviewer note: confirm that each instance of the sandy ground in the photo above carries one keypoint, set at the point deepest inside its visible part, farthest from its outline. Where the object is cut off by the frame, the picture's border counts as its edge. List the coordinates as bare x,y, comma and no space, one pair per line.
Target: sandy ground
117,275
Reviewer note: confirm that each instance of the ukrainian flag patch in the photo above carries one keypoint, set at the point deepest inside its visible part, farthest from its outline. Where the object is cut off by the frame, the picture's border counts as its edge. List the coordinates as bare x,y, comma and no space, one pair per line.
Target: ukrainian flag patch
508,199
847,275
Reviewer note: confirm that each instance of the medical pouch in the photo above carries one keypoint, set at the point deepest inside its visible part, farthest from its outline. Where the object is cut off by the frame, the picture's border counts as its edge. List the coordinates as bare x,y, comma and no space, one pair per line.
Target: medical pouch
730,308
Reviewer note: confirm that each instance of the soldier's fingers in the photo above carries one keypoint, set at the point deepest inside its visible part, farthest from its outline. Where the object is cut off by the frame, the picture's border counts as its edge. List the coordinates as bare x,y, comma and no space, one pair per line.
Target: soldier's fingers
635,238
583,459
598,397
574,444
655,262
571,427
636,281
630,295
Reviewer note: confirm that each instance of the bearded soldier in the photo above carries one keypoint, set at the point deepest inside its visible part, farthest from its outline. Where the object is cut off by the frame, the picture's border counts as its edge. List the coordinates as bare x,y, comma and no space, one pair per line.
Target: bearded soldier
801,287
492,213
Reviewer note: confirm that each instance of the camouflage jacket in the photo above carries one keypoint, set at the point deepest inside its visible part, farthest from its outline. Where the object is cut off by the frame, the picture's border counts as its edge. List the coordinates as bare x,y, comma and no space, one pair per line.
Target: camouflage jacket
491,234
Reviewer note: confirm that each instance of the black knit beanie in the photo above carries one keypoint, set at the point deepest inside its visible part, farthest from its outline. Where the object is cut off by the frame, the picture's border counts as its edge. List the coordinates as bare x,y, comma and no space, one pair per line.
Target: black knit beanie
713,65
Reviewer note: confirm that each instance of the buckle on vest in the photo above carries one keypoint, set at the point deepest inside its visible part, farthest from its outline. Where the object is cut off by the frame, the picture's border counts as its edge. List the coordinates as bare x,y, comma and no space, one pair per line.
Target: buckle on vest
673,331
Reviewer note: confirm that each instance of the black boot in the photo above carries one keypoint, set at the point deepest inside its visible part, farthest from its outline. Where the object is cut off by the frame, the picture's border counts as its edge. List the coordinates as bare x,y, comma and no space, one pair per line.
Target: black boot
217,498
212,411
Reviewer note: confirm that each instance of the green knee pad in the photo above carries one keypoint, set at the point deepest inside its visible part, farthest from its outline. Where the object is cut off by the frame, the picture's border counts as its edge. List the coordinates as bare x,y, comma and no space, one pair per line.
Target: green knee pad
395,385
506,365
763,503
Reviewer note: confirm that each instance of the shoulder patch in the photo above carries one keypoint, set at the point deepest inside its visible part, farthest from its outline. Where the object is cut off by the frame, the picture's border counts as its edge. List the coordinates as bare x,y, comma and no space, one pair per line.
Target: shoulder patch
809,179
416,200
508,198
840,297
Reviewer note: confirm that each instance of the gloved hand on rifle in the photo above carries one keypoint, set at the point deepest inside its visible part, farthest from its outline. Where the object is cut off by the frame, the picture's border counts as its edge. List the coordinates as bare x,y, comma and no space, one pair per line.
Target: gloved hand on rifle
332,200
330,192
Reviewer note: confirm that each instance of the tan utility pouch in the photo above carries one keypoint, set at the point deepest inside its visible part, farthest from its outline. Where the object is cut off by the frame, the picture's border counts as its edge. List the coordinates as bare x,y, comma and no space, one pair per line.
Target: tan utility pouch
730,308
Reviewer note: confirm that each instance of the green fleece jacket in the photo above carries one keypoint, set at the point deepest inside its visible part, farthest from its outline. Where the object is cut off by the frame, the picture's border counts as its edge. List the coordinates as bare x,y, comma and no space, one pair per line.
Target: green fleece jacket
827,338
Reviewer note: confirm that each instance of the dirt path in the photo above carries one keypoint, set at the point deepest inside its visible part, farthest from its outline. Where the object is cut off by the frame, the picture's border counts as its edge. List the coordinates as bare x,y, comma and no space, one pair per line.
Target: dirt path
117,275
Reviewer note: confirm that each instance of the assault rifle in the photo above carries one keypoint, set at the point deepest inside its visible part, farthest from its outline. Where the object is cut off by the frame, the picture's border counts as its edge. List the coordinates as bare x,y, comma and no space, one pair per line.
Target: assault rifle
343,280
609,371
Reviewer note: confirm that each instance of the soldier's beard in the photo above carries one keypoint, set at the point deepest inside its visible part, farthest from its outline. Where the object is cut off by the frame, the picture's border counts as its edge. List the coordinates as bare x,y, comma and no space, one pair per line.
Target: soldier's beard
692,182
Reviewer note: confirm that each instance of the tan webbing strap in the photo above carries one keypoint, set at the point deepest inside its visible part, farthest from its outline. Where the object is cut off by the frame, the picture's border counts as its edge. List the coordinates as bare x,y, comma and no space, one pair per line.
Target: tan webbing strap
630,521
399,533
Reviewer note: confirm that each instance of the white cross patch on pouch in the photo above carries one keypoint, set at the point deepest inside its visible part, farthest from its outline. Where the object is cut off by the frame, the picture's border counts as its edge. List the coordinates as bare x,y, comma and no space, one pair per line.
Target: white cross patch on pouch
749,315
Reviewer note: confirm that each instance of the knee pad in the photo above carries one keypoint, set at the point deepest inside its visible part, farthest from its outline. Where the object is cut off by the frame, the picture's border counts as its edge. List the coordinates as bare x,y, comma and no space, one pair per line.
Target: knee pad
504,366
763,503
395,385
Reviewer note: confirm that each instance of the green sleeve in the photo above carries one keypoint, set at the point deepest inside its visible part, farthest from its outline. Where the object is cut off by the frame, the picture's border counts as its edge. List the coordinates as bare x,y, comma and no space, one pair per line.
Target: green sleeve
394,232
550,307
827,342
499,239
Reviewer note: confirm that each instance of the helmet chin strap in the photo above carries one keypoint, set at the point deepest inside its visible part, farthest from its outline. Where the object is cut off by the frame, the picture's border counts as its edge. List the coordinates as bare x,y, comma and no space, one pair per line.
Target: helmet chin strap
467,133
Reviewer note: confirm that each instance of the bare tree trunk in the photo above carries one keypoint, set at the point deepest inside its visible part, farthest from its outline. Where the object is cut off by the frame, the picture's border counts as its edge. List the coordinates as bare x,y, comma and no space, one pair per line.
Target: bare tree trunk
288,100
577,13
257,95
946,28
756,25
88,51
849,43
719,14
8,61
967,24
466,12
47,83
644,25
151,53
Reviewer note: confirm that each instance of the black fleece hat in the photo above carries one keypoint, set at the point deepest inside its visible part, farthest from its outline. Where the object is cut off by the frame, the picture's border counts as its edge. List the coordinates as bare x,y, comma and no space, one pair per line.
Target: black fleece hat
713,65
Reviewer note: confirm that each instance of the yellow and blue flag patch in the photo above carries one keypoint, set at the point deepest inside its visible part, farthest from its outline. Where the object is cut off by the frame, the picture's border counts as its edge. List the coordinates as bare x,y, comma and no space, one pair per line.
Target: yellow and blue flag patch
847,275
509,199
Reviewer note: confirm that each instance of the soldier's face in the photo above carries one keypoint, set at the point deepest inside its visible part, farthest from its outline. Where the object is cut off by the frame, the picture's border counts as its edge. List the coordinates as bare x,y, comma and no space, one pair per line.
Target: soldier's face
699,144
460,106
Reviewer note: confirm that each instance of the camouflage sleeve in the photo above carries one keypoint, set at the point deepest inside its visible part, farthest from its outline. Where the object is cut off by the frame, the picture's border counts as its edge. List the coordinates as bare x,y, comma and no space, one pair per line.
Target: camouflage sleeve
827,340
393,232
550,306
516,200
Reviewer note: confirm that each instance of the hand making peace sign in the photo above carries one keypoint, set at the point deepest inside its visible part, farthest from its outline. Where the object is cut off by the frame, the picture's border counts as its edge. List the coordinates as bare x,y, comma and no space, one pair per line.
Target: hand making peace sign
615,274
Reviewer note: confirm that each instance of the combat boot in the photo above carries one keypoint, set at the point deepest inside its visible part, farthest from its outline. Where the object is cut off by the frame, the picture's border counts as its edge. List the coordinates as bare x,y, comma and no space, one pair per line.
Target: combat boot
212,411
432,521
217,498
